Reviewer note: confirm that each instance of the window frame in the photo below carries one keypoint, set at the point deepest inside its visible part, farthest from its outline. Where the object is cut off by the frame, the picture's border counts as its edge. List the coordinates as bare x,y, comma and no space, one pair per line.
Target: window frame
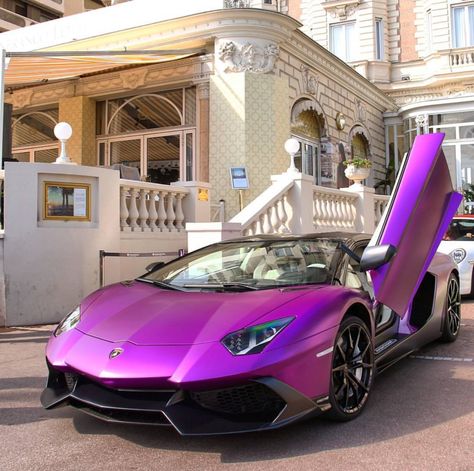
379,39
468,38
347,50
428,31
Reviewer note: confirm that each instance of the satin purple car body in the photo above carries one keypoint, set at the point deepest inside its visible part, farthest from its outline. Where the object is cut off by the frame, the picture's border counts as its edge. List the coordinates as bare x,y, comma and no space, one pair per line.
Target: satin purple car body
144,354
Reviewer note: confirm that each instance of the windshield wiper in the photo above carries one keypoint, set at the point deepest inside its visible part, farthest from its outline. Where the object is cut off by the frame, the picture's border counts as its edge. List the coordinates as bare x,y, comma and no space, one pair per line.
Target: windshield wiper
227,285
162,284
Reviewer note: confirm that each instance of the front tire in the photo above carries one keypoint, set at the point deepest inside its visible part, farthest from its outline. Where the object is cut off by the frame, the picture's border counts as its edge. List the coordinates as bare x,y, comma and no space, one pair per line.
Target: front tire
452,316
352,371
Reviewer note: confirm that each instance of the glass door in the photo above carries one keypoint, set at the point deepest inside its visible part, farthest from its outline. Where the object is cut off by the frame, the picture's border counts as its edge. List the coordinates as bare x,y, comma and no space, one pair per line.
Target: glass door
307,159
163,158
127,152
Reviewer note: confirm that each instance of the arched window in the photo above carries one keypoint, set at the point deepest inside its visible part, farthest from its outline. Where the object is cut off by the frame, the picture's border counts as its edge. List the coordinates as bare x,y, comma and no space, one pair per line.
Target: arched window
154,132
33,137
360,147
308,126
359,139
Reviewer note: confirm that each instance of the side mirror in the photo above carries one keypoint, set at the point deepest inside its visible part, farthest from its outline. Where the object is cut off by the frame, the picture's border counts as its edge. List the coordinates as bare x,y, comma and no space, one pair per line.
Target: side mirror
154,266
376,256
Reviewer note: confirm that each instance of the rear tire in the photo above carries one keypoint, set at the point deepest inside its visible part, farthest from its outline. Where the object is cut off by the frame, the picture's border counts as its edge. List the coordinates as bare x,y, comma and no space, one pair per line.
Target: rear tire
452,314
352,372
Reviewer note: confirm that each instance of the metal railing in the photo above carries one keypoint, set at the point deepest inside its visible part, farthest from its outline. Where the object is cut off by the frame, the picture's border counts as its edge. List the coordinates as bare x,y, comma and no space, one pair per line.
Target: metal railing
218,211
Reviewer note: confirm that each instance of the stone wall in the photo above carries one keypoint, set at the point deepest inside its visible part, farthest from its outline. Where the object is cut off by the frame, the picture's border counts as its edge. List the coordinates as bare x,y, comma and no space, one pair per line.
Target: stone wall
79,112
332,96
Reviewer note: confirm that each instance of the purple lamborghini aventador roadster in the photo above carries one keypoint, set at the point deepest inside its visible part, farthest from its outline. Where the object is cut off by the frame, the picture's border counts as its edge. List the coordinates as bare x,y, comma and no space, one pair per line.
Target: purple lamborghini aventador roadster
256,333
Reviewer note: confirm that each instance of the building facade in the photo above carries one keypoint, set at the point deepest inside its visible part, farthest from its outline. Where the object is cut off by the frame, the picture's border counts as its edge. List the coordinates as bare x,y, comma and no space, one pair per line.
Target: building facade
233,104
19,13
421,54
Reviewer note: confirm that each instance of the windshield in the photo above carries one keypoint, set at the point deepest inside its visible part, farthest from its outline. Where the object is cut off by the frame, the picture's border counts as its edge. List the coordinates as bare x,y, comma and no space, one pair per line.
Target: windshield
251,265
460,229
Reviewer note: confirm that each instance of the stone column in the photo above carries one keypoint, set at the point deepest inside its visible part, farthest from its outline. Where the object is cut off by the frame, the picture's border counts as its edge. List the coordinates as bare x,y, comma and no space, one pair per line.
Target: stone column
249,117
203,132
79,112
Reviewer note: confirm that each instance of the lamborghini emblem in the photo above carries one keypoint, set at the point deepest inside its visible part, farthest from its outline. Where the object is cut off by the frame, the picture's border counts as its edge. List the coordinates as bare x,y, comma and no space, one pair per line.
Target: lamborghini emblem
115,353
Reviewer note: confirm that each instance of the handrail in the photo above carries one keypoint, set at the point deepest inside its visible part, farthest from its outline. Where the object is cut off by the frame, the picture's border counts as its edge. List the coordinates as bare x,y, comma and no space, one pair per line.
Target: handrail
267,214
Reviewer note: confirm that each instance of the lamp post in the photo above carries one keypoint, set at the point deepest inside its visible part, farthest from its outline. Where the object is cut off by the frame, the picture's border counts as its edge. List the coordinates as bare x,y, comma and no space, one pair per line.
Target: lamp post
292,146
63,132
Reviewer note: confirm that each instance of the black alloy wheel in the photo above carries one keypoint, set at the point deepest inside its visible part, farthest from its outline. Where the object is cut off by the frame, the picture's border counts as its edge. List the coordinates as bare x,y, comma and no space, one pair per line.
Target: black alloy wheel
352,371
452,317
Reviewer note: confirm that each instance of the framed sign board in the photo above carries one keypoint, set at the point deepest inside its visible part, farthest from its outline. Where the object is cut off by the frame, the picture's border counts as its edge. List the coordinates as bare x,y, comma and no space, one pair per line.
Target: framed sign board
67,201
239,179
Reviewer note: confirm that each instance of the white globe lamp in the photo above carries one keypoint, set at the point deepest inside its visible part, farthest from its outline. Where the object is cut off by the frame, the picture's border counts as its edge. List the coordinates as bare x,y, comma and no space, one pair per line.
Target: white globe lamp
63,132
292,146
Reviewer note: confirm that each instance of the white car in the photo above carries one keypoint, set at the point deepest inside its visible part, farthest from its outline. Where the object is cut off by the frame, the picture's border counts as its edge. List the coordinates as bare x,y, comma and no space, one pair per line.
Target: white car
459,243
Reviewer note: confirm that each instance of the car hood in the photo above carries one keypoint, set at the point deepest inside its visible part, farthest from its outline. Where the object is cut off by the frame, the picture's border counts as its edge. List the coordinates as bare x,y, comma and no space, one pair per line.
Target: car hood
147,315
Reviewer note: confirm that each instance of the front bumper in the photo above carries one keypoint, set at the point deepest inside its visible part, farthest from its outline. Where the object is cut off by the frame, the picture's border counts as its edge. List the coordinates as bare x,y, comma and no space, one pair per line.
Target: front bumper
260,404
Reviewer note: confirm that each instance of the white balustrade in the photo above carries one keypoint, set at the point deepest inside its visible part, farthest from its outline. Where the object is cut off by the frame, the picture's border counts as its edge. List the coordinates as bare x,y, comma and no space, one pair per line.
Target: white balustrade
461,57
380,203
334,209
267,214
149,207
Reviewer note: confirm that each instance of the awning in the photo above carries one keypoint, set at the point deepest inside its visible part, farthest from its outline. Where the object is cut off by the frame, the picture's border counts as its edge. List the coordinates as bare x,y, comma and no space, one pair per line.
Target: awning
137,32
37,67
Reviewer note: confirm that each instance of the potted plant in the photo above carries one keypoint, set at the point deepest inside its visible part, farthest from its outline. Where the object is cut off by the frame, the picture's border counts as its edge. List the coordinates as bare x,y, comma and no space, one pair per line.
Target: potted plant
357,170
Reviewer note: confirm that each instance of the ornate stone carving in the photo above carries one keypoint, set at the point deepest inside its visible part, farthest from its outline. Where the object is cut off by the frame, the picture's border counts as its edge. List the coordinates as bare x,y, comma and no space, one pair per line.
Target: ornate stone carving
461,91
203,91
361,111
132,79
310,81
248,57
22,98
341,9
421,120
236,4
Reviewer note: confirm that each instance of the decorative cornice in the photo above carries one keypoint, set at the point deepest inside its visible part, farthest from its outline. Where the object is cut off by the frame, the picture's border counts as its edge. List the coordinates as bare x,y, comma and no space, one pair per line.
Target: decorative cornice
183,71
425,94
22,98
135,78
180,72
40,95
326,64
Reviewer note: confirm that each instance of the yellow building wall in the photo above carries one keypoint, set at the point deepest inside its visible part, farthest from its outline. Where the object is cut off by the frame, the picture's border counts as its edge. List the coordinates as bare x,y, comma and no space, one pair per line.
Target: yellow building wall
249,123
80,112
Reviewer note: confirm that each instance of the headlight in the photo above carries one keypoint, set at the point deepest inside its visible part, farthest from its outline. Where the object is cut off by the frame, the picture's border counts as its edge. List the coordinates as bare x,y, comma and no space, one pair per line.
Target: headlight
458,255
69,322
254,339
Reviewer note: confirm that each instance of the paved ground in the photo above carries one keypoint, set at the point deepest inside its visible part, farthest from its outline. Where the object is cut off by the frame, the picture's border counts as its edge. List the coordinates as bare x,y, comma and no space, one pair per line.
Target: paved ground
420,417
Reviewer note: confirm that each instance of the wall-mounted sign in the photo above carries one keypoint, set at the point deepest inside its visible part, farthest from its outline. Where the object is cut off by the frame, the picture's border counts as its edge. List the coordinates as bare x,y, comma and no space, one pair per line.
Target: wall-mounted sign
203,194
239,179
67,201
